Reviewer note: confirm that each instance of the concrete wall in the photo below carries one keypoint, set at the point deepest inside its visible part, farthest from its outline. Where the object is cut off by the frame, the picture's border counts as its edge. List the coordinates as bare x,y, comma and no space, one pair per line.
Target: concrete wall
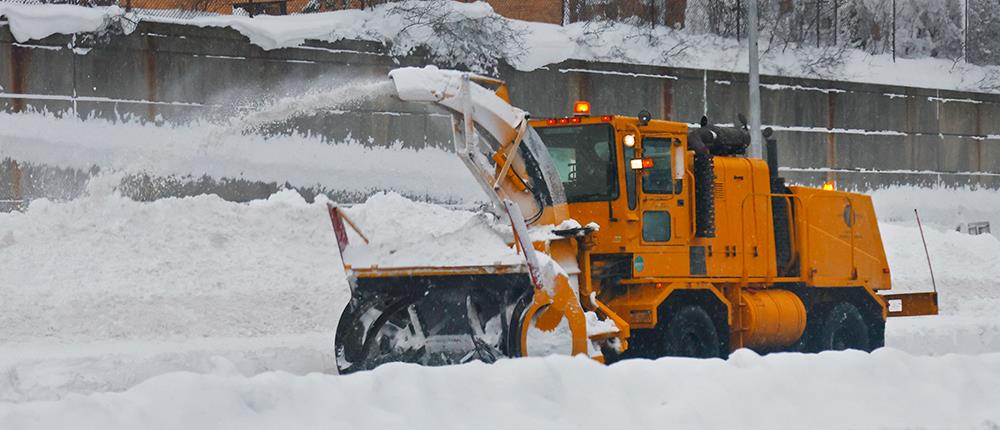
863,135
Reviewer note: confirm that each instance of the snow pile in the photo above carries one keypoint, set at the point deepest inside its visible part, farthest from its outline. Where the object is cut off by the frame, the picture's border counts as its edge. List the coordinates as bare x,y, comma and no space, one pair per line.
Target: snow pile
107,292
965,268
221,151
106,267
479,38
32,22
886,389
404,233
941,207
102,292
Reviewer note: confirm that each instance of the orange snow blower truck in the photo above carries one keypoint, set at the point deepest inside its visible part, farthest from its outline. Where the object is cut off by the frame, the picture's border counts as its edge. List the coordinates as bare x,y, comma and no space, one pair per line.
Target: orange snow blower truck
640,238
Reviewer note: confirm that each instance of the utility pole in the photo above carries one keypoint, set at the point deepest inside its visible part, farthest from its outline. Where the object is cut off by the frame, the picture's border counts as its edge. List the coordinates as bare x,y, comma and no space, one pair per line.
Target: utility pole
756,147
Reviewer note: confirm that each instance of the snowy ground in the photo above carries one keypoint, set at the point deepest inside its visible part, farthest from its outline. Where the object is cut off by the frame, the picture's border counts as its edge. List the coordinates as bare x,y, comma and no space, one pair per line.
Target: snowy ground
202,313
120,314
104,295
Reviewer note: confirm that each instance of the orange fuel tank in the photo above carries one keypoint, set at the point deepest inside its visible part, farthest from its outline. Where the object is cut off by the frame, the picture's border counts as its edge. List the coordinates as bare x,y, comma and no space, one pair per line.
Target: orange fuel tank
773,318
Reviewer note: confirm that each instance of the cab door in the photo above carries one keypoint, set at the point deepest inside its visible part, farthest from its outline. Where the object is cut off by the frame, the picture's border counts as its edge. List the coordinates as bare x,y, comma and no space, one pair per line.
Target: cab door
664,212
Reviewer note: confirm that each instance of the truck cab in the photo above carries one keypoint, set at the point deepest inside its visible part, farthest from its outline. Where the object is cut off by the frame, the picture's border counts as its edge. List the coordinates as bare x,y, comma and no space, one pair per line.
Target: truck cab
686,219
637,180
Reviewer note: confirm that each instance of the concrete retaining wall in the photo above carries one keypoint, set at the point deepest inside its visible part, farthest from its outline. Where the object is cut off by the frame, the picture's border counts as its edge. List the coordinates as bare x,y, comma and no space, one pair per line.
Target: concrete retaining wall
863,135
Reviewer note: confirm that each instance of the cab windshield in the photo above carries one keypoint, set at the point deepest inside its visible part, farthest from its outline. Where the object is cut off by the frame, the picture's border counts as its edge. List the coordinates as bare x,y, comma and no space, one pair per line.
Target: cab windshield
584,157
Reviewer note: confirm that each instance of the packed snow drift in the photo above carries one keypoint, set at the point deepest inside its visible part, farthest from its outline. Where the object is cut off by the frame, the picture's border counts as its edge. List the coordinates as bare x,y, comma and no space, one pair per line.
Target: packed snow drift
117,313
886,389
111,295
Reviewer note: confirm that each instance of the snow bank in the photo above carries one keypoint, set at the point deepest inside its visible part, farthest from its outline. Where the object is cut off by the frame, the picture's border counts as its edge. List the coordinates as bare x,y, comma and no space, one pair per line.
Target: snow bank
108,292
541,44
29,21
887,389
941,207
106,267
54,368
404,233
965,268
221,151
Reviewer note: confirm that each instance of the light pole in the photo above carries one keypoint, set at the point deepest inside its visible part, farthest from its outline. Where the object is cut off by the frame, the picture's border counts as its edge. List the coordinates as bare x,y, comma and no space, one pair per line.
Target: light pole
756,147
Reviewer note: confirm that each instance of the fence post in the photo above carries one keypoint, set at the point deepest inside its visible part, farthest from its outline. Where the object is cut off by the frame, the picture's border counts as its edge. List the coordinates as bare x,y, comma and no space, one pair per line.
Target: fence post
893,31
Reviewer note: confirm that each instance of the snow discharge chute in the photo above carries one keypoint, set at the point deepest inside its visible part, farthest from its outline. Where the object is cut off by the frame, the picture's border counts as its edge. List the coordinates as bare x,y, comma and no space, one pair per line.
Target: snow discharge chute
527,303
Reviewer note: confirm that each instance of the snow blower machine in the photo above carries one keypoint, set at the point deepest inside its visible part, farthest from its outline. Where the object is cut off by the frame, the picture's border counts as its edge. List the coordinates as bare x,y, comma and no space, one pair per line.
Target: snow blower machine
633,237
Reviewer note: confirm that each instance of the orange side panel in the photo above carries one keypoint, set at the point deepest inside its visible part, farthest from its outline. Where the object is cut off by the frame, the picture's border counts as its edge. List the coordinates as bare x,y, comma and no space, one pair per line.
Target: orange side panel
838,237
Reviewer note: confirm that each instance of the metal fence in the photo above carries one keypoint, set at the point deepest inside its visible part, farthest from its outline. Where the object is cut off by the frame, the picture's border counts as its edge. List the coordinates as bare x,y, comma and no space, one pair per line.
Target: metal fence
959,30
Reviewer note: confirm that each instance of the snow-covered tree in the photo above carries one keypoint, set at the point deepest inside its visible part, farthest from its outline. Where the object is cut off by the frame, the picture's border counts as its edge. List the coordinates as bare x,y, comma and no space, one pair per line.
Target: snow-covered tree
984,32
866,25
929,28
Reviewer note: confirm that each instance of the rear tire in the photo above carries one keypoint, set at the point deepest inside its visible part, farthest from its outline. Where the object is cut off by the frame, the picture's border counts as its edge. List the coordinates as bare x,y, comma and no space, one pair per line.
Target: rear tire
843,328
690,332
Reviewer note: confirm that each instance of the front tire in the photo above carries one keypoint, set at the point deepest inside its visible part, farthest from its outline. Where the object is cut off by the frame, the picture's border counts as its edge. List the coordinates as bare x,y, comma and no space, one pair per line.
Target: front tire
690,332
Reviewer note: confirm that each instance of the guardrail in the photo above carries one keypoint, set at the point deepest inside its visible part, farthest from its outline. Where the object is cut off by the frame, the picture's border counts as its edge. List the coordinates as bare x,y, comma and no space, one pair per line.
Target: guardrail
9,205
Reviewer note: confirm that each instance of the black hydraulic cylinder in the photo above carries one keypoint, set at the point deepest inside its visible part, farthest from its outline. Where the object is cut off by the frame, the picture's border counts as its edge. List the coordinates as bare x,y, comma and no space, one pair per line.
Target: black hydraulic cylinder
772,158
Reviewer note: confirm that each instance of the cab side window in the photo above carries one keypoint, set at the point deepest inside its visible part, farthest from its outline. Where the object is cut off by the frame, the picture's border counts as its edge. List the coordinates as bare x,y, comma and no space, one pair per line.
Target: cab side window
657,179
656,226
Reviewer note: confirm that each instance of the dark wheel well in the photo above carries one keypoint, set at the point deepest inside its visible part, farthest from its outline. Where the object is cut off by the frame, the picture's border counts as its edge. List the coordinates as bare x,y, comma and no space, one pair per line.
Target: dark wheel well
647,343
819,301
689,332
716,309
843,327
